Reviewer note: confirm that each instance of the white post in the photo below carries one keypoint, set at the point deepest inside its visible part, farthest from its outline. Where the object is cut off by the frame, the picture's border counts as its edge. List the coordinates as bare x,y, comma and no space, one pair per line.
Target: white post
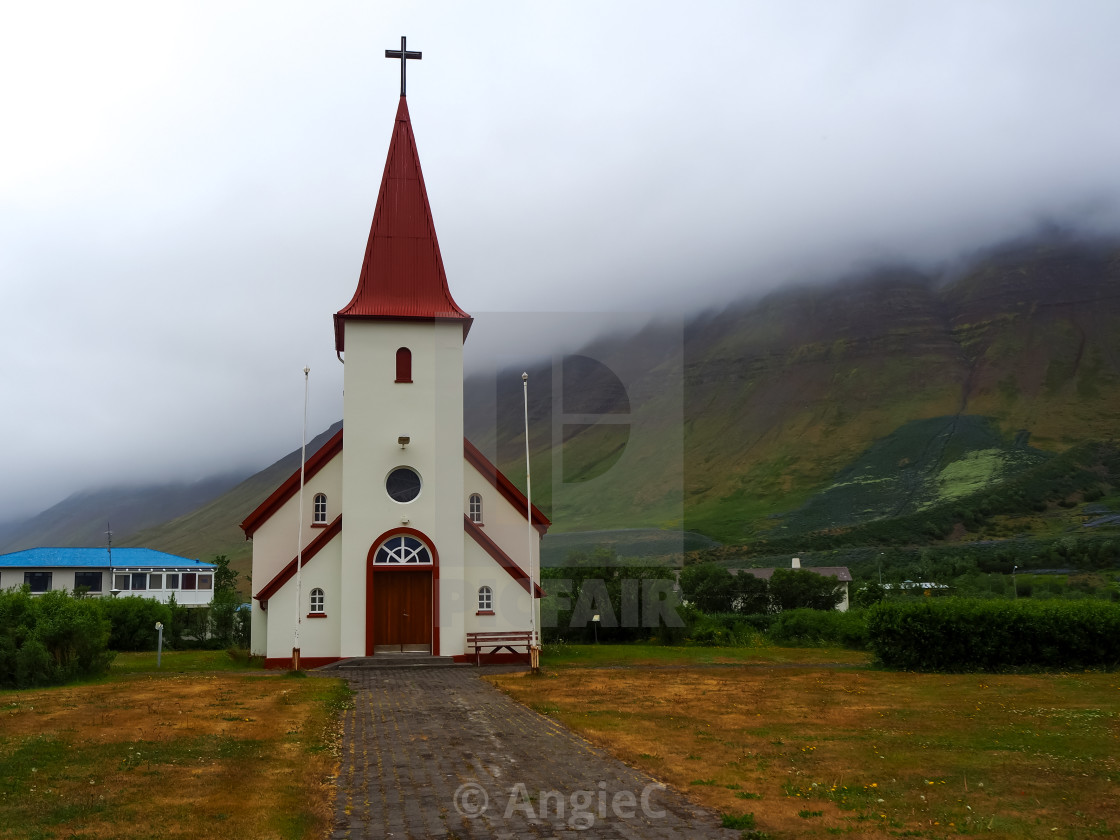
534,633
299,529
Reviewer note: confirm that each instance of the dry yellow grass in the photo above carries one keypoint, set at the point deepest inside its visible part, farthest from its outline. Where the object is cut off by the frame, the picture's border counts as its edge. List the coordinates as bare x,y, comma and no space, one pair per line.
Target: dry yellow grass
191,755
814,752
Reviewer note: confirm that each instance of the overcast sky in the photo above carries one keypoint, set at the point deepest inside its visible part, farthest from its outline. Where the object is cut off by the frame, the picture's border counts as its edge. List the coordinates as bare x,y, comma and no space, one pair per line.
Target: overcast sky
186,188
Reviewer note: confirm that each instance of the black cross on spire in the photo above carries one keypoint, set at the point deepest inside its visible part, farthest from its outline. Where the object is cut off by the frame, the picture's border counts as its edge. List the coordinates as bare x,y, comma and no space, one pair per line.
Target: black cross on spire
403,55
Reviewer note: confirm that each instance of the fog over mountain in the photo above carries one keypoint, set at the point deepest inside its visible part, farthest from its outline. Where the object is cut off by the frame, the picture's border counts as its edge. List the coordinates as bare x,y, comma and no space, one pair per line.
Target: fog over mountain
186,189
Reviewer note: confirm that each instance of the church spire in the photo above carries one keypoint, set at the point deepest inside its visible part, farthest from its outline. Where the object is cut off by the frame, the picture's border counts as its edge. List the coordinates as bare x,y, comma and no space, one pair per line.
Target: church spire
402,273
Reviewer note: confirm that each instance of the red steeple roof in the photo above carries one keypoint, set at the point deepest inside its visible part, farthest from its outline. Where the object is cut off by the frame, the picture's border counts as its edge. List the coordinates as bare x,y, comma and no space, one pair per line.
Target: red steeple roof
402,273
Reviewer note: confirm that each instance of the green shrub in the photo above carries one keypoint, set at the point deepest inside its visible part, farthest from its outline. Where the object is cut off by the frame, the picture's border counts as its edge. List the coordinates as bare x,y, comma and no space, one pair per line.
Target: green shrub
51,638
133,620
957,634
817,627
721,630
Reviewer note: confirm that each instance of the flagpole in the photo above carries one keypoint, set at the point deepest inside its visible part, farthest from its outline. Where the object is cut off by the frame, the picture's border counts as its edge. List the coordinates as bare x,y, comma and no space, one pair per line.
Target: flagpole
534,631
299,529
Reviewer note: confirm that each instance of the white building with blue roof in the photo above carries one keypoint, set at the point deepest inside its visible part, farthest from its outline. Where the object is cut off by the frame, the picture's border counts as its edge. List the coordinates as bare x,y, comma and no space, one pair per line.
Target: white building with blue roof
104,572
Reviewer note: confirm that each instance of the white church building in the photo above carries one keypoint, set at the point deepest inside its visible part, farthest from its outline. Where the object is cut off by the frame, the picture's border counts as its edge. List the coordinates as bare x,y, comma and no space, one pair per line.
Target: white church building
411,537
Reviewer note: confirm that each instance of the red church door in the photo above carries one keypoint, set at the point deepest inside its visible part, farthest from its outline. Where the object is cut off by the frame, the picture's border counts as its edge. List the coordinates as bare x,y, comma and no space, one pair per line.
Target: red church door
399,611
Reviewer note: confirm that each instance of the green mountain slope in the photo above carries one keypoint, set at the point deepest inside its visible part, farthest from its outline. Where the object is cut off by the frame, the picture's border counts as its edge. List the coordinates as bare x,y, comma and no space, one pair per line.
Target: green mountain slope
81,519
760,407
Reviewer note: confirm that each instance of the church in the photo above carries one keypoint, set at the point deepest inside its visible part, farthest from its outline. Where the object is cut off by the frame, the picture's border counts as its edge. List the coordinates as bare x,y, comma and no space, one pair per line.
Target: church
411,538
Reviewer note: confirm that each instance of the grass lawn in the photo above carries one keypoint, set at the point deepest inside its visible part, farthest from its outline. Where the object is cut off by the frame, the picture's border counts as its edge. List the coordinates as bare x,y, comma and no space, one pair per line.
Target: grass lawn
194,750
590,656
815,751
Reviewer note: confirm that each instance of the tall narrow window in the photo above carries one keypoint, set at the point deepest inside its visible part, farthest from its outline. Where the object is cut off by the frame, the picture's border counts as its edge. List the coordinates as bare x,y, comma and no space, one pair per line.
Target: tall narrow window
485,599
404,365
320,517
474,508
318,601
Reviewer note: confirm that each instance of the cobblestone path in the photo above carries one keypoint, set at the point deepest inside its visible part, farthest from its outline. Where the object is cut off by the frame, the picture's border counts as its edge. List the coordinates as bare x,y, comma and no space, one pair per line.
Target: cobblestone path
437,752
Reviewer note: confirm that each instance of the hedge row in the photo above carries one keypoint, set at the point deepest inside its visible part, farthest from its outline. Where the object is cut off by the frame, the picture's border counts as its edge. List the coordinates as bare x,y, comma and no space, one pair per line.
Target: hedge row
957,634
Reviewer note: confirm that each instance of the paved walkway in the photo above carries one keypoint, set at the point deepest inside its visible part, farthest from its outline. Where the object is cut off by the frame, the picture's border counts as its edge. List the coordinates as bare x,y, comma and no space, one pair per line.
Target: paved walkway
437,752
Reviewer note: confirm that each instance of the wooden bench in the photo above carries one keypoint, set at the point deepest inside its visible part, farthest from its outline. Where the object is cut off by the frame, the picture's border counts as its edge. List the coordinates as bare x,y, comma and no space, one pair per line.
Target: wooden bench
510,640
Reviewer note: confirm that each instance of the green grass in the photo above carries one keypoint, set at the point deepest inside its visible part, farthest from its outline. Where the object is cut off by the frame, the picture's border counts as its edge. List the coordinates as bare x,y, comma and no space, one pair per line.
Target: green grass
599,656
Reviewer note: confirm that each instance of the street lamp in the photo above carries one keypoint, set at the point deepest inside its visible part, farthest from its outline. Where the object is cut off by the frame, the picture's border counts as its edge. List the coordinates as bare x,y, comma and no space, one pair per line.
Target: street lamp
595,624
1014,585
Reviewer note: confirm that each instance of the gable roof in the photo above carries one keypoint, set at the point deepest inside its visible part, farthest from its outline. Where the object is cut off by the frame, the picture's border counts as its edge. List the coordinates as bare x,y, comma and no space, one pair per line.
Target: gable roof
402,273
289,570
94,558
333,447
503,559
290,487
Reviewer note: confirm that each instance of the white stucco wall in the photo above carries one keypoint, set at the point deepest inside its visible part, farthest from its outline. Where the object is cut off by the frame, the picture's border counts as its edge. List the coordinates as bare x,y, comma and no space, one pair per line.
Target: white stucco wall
511,600
319,637
377,410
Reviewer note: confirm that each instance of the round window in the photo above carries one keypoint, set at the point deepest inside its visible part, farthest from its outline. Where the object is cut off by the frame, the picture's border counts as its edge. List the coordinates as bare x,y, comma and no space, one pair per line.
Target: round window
402,485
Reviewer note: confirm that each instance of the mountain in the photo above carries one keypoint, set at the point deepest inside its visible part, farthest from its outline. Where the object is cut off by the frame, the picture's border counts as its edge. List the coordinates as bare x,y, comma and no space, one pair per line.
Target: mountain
82,518
741,417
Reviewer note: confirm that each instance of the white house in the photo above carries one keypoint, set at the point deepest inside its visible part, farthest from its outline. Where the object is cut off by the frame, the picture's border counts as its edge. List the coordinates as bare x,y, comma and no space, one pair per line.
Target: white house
411,537
101,572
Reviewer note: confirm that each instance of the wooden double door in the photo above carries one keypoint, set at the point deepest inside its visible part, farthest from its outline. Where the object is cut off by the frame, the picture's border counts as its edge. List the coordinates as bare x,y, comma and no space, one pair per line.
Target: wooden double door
399,612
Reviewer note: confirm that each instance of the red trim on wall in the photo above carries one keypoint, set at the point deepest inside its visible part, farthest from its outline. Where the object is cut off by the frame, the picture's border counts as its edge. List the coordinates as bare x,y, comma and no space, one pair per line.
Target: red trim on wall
291,486
334,446
504,486
288,572
504,560
371,569
285,662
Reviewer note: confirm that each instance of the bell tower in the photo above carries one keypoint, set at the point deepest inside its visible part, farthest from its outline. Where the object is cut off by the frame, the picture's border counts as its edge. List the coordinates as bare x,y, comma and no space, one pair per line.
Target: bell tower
401,341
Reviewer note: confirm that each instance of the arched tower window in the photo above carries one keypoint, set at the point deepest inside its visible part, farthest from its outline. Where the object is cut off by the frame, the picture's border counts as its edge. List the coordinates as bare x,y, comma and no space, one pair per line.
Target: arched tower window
485,599
404,365
318,601
474,508
320,515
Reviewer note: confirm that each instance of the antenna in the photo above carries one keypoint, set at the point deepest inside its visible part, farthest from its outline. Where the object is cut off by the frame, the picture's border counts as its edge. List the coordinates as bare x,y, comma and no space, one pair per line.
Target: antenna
109,534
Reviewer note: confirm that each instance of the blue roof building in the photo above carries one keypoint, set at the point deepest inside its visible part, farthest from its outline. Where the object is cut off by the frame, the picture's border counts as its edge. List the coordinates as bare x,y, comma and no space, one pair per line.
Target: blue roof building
101,571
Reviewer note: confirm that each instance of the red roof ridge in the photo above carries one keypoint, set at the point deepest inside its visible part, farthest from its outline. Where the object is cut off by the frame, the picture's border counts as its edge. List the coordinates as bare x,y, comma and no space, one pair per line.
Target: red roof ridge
402,273
290,487
504,486
289,570
503,559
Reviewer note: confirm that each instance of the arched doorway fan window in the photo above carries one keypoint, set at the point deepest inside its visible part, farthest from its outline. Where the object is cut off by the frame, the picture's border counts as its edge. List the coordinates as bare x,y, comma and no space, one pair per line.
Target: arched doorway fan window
402,550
